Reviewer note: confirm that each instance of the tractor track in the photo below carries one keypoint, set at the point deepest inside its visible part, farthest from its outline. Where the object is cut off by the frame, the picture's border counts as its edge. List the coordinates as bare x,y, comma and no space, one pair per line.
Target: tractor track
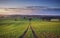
33,32
22,36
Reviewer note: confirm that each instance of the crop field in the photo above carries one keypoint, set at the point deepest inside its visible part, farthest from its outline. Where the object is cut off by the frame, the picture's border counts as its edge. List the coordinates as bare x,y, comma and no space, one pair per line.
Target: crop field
23,28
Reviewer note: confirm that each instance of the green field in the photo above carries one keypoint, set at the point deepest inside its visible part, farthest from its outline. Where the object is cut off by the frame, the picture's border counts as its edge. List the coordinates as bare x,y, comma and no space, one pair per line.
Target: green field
15,28
46,28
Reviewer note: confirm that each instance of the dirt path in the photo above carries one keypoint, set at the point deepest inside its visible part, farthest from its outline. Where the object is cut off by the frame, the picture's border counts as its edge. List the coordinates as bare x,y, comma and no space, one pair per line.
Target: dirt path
33,32
22,36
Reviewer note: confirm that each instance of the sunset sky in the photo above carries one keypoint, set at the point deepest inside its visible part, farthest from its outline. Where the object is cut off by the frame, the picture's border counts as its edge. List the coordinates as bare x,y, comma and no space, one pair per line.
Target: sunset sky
26,3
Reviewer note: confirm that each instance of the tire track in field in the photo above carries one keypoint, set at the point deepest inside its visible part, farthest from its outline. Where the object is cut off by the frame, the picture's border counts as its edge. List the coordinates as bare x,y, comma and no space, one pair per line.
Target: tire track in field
33,32
22,36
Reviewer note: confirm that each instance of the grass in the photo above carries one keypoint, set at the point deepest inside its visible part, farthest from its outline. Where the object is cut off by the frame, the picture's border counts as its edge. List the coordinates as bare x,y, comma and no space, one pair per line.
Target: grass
14,29
44,28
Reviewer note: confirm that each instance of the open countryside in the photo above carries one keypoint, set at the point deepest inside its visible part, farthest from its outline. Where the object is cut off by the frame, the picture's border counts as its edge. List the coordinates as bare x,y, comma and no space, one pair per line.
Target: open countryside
28,28
29,18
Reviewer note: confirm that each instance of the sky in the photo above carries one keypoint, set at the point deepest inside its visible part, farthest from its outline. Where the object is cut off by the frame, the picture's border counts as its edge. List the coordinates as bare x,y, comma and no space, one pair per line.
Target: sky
25,3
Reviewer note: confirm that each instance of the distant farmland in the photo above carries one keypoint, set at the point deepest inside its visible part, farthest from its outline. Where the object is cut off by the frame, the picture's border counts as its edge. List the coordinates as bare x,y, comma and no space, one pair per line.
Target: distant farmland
21,27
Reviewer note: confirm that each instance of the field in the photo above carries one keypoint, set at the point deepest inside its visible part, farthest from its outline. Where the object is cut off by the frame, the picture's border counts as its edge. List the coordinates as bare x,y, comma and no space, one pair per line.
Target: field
22,28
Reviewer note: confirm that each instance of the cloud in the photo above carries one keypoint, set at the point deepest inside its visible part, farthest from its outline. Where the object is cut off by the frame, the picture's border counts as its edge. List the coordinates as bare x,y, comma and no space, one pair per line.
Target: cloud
29,10
15,11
